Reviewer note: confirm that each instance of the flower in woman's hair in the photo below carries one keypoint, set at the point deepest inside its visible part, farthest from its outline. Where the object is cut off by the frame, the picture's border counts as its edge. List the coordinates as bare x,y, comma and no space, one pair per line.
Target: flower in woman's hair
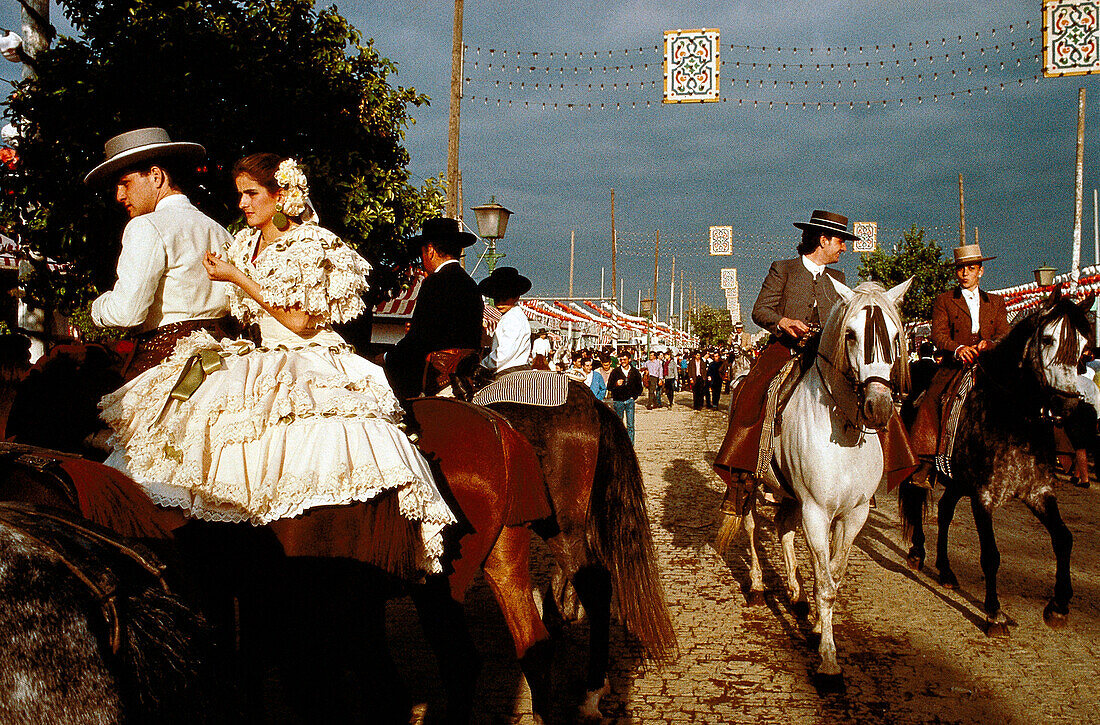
293,181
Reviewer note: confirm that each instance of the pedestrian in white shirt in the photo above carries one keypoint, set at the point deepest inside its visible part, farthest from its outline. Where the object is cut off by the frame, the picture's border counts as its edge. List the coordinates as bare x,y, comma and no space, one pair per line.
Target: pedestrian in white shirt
162,291
511,348
541,352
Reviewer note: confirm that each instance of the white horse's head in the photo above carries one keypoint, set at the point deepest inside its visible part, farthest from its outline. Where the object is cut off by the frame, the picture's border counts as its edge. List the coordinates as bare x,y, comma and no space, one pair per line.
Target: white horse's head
863,340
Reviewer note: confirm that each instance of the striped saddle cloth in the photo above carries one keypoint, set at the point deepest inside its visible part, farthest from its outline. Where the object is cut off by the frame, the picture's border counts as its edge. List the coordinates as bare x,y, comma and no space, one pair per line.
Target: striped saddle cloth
527,387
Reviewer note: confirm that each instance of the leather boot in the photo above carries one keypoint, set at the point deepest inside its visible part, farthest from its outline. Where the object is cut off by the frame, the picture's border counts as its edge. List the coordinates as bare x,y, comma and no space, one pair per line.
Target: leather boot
923,476
737,494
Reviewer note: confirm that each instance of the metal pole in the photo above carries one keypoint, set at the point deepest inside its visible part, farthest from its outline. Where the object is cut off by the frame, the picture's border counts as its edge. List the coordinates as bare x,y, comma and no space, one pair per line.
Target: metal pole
453,123
622,292
572,243
614,243
462,259
601,283
1095,232
1078,191
682,321
672,291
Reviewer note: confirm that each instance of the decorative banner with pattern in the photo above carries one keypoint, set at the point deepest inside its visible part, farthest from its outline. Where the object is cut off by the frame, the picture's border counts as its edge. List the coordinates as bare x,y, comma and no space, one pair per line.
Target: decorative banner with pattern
868,236
721,241
733,305
729,278
691,66
1071,37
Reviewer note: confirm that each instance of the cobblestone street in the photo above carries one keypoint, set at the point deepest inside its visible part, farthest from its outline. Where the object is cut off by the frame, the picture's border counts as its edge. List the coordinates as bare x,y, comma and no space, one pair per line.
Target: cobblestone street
912,652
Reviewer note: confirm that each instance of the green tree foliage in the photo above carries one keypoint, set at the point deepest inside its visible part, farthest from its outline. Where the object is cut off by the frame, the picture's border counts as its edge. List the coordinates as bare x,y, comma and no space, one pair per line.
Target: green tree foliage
912,257
711,325
238,76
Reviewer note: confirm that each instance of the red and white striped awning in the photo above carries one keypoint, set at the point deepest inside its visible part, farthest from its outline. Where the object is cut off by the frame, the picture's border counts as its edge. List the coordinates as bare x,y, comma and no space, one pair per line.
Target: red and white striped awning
401,305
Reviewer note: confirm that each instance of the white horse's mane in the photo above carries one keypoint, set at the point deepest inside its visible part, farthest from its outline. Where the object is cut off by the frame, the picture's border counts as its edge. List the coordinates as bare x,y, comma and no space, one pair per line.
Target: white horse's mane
832,341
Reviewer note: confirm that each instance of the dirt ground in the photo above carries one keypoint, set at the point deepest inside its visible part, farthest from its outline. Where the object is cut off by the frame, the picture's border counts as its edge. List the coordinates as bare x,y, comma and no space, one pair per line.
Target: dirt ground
912,652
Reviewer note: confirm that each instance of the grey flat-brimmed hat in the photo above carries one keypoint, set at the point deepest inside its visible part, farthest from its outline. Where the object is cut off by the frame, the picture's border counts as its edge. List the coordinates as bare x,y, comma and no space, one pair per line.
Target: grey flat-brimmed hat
830,223
143,144
969,254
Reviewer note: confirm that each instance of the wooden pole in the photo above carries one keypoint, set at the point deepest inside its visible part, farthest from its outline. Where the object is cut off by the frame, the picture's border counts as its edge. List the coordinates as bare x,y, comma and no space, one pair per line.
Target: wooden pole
453,123
572,243
1078,191
962,214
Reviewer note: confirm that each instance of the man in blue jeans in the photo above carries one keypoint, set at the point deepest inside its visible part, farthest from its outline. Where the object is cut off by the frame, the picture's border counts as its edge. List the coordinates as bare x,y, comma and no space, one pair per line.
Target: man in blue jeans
625,385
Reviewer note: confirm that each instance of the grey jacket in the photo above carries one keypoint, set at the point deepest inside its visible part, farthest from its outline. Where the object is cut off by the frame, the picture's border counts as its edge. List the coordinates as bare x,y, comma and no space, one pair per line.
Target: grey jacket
789,291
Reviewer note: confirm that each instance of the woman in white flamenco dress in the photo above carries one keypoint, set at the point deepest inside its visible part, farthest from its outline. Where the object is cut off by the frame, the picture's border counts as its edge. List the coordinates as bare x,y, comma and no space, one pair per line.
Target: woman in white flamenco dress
301,421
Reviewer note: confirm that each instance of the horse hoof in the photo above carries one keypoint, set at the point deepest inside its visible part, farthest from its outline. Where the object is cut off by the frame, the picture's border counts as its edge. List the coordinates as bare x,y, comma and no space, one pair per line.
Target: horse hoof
828,683
996,629
755,598
1054,618
948,580
916,563
801,609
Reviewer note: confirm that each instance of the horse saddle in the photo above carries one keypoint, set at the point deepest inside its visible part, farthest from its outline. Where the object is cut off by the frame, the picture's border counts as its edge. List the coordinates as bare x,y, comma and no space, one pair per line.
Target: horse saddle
104,563
454,367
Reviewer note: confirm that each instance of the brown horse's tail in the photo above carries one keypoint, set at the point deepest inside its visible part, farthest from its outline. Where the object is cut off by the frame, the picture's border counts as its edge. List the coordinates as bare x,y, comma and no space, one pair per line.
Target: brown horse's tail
912,508
617,531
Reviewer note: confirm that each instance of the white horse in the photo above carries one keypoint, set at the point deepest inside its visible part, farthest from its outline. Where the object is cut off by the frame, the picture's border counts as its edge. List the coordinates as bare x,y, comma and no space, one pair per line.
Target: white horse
827,460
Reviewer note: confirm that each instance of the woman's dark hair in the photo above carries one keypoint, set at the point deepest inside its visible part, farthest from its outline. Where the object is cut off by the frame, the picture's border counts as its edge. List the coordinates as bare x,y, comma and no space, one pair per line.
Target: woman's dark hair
811,240
261,168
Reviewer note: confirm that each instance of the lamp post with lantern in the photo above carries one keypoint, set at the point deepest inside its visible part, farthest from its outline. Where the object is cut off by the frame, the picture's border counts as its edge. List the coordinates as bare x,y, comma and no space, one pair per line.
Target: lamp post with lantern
492,222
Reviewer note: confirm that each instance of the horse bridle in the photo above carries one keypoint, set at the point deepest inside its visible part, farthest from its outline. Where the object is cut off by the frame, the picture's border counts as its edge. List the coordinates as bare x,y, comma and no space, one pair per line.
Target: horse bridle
875,333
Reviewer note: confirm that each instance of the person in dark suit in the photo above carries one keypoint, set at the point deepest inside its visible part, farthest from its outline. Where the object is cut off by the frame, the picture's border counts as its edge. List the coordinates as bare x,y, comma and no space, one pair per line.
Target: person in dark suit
448,312
714,380
697,374
966,321
793,302
625,386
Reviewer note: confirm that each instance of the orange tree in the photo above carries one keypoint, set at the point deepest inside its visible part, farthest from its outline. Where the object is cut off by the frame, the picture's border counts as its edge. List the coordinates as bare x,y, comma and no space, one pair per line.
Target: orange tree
238,76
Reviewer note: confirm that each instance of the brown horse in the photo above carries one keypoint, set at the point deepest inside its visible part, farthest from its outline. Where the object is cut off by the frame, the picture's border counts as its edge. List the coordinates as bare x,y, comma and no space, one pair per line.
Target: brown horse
600,535
488,473
599,532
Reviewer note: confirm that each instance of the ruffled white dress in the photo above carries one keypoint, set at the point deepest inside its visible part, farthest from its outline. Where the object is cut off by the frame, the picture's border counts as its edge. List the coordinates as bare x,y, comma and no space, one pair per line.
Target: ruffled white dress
275,430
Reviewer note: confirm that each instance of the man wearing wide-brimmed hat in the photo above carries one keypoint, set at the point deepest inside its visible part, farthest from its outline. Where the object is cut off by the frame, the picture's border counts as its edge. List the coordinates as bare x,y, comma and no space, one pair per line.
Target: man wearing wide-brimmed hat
965,322
511,348
162,292
448,310
793,302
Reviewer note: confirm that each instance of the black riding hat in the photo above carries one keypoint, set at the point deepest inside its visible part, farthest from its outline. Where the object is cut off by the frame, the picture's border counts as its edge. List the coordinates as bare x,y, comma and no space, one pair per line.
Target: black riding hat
504,284
442,233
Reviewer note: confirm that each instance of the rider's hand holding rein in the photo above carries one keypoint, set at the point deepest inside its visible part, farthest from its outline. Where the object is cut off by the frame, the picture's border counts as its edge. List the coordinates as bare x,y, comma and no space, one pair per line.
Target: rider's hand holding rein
795,328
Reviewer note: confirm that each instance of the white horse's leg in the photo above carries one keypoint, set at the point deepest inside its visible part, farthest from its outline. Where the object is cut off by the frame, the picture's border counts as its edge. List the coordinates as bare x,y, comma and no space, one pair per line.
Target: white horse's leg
756,572
816,525
786,524
845,532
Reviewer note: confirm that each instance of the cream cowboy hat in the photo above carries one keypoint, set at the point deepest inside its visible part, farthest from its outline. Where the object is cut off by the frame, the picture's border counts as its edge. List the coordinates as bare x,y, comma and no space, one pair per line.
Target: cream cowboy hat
143,144
969,254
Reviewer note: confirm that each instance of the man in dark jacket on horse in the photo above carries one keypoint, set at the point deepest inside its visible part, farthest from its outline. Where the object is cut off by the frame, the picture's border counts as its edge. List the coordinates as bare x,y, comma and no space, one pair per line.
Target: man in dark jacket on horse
448,313
793,302
965,322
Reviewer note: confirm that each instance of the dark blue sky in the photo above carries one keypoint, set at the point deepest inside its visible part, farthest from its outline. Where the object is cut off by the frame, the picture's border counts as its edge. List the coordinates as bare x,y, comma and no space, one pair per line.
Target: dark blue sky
679,169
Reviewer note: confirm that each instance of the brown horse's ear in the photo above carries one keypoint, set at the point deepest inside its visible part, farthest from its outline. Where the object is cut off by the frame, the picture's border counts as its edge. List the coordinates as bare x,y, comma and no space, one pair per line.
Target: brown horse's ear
1086,304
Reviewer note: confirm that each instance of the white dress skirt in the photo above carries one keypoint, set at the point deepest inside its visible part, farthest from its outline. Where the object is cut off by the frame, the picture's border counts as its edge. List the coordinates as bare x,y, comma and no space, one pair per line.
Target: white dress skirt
271,432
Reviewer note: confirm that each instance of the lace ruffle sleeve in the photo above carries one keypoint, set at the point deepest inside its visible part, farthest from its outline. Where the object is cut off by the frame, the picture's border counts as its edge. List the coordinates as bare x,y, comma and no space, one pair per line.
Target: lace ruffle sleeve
309,269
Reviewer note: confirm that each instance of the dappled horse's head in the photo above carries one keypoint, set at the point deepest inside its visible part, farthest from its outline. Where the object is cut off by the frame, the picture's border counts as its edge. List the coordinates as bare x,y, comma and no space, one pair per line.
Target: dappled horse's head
863,339
1061,332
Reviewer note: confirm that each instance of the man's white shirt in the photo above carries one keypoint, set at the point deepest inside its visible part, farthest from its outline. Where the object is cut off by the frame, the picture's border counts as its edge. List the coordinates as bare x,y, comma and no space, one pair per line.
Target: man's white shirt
161,279
511,341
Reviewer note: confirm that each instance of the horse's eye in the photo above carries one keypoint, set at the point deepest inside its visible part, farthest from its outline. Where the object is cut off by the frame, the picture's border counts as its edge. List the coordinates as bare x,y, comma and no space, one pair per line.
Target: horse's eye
1048,339
850,335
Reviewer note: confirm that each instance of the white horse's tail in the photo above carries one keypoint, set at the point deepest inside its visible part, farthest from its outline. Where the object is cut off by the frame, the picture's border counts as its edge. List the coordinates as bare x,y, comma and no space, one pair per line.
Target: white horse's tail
730,526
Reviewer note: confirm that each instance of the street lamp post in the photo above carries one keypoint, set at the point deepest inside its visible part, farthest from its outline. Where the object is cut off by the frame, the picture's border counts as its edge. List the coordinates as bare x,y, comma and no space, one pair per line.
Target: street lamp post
492,222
